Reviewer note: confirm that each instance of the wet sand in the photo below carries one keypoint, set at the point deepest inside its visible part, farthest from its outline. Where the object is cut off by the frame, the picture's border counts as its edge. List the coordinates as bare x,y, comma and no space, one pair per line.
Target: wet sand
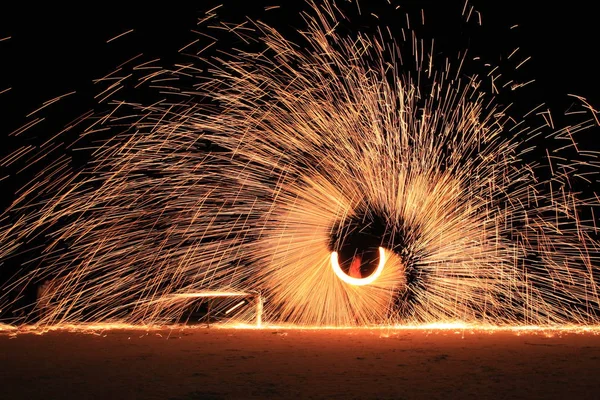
219,363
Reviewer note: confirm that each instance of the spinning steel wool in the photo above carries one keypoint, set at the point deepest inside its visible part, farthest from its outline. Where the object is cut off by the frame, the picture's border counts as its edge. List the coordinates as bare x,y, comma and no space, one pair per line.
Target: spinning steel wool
347,183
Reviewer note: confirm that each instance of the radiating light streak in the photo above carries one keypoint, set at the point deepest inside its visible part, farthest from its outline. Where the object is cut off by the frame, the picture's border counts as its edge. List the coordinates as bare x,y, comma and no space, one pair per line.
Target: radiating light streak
238,305
209,294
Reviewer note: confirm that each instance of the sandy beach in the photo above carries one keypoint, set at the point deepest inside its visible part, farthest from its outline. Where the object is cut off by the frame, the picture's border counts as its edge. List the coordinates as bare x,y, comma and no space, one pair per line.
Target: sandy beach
225,363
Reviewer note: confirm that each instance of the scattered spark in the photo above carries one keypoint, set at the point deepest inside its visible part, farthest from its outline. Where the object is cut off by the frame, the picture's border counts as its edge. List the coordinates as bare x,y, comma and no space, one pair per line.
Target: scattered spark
238,305
587,105
212,10
26,126
188,45
522,62
119,36
513,53
50,102
209,294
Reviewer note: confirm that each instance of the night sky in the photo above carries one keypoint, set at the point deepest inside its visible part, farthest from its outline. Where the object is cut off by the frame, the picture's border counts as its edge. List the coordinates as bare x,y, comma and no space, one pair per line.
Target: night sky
55,49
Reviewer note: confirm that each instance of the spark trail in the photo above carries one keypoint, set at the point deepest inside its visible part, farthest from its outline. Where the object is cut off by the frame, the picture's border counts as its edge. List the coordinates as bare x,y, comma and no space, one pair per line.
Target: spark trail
349,185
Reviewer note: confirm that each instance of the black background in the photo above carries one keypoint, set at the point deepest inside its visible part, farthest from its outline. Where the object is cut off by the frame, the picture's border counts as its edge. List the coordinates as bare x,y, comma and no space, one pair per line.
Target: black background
58,48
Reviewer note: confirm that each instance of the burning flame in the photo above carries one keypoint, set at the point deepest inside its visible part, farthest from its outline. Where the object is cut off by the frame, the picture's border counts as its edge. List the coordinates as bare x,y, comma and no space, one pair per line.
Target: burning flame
357,281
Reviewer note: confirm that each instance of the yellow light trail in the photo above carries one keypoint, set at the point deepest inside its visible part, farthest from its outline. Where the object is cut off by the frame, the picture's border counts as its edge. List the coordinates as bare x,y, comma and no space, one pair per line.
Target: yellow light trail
358,281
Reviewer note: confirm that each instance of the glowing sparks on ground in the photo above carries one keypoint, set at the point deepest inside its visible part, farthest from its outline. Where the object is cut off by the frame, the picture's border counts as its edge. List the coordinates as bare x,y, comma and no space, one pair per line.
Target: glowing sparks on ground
289,163
384,331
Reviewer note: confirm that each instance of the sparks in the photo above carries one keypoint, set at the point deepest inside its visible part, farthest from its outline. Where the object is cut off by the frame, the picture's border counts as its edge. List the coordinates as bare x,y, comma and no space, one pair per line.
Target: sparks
265,173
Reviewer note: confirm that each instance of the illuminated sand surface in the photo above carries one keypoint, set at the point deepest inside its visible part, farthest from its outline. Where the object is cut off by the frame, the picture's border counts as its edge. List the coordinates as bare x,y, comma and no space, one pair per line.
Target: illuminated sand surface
228,363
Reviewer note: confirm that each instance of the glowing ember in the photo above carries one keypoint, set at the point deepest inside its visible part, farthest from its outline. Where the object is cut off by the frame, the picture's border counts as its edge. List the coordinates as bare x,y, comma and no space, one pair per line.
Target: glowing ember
354,277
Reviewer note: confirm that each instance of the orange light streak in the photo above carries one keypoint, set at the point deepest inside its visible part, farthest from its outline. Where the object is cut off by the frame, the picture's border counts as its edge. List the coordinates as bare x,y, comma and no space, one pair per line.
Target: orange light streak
358,281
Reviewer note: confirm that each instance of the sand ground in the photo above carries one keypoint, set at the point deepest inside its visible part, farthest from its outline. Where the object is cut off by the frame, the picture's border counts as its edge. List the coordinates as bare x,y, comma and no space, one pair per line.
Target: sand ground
219,363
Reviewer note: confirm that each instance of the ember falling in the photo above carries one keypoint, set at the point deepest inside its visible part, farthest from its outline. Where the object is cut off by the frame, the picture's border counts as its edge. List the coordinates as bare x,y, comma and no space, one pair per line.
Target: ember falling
332,176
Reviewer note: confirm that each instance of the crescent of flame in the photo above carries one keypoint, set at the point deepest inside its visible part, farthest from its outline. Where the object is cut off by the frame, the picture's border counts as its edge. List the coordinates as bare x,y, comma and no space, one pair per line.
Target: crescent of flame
356,281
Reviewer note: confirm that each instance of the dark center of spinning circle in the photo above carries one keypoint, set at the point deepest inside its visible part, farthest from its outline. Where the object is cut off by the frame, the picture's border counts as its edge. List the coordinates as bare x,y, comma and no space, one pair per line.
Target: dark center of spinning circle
357,242
358,262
